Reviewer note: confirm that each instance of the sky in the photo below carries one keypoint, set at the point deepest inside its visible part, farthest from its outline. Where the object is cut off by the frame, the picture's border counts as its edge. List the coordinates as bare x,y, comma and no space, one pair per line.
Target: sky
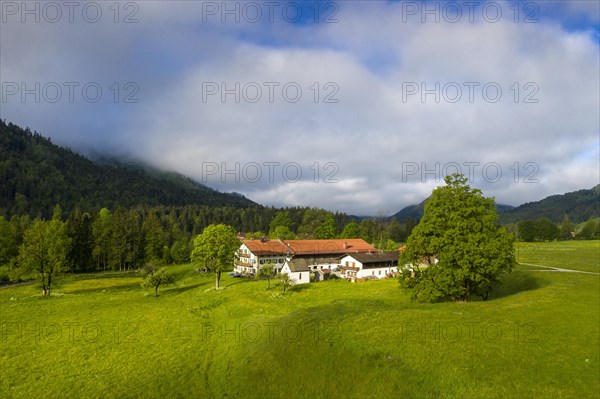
354,106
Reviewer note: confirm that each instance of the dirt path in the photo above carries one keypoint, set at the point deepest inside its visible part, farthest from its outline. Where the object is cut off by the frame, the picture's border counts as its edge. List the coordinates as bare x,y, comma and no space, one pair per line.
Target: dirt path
557,269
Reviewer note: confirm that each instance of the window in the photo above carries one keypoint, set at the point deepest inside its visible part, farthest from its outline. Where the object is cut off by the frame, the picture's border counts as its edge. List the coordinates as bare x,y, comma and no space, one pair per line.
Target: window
373,273
262,262
353,264
299,276
380,272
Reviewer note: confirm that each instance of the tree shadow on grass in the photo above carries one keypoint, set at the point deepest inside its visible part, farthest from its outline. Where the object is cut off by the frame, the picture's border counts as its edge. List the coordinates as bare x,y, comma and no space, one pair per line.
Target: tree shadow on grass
241,280
300,287
112,288
517,282
179,290
100,275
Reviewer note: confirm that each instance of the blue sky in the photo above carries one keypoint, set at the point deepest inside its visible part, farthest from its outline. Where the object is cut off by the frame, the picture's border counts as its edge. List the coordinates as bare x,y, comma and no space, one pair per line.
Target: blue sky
391,98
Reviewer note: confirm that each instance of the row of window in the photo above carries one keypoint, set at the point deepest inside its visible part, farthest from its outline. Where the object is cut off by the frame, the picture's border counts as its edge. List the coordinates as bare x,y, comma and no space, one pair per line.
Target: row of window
263,261
323,267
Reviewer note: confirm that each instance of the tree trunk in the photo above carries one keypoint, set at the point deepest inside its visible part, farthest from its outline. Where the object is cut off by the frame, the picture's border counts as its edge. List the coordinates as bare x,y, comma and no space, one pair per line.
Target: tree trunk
156,290
217,278
269,282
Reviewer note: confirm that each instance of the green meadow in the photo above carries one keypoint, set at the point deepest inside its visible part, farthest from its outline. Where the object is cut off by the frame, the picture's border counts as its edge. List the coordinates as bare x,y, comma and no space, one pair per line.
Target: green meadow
575,255
102,335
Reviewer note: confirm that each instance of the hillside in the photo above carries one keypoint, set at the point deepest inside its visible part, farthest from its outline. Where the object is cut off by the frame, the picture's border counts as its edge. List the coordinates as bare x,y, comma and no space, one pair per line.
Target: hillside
578,205
36,174
414,212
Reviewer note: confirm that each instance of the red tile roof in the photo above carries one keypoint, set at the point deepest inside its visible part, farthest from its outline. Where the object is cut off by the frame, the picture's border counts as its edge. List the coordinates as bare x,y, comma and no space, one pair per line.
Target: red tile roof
267,247
309,247
336,246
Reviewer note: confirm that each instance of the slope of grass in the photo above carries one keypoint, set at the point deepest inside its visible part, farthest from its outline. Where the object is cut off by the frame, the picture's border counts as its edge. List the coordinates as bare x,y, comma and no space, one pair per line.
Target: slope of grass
104,336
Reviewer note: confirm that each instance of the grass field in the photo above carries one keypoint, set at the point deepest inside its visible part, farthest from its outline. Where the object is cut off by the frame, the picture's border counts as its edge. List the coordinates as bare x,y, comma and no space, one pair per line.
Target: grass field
104,336
575,255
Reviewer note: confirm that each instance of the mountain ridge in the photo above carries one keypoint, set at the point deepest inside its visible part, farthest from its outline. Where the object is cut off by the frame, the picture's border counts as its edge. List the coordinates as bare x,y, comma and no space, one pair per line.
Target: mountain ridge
579,206
36,174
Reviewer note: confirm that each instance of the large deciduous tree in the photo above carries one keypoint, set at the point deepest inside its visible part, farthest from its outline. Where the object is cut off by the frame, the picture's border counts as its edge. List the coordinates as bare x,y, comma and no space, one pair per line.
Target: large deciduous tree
458,240
44,251
216,249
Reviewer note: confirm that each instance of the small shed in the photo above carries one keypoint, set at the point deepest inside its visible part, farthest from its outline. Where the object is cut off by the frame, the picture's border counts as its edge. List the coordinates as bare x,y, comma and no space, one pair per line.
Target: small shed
297,269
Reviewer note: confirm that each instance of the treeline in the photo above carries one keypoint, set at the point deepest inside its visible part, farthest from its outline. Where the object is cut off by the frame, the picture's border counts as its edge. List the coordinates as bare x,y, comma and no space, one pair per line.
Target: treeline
126,239
543,229
382,232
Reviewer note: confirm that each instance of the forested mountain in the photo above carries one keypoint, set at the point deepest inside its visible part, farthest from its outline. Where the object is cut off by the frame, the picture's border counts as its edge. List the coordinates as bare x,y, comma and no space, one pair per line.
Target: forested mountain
414,212
579,206
36,174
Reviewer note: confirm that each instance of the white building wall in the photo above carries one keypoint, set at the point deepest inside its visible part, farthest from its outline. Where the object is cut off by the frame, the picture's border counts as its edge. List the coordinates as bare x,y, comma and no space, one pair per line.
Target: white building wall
244,260
351,262
257,261
296,277
379,272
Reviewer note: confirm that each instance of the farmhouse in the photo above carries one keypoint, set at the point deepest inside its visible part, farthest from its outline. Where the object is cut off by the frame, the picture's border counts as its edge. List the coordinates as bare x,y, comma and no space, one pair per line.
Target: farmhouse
301,258
252,254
